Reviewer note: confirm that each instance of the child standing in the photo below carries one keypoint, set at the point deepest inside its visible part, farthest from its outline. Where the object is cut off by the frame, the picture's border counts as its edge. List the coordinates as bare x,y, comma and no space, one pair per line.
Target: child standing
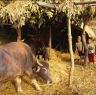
91,51
79,47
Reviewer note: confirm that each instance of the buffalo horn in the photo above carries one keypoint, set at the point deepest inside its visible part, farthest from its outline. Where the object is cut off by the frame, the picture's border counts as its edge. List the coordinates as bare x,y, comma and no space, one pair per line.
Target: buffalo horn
38,69
39,63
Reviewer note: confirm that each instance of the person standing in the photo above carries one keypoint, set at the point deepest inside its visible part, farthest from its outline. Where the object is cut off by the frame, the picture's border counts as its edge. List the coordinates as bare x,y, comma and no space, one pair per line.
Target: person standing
91,51
79,47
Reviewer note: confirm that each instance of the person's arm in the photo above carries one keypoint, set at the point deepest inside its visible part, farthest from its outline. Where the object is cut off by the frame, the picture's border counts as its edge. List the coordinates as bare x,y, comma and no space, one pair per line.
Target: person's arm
93,46
76,51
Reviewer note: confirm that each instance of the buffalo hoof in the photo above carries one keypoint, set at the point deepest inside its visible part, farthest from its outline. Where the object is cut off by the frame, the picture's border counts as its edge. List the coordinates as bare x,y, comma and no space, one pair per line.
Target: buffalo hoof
49,82
20,91
39,89
35,84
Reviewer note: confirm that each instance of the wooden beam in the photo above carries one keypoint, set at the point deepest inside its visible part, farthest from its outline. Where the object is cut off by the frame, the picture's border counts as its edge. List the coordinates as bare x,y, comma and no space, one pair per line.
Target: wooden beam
93,4
46,5
85,2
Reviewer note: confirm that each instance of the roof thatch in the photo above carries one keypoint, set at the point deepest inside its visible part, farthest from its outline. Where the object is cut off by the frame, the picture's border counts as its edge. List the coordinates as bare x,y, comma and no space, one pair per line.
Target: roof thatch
18,11
1,4
89,31
92,24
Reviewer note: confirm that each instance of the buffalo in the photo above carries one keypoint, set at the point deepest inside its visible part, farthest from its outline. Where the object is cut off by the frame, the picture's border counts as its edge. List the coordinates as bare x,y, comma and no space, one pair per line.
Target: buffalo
17,59
38,48
43,72
42,52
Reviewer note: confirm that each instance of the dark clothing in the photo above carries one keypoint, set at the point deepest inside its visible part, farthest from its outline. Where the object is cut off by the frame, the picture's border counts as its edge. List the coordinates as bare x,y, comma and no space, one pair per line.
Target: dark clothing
91,52
91,57
81,53
79,48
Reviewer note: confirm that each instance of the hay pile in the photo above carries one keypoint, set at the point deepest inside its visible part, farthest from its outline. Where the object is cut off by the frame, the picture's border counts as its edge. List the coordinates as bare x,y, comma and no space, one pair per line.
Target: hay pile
83,84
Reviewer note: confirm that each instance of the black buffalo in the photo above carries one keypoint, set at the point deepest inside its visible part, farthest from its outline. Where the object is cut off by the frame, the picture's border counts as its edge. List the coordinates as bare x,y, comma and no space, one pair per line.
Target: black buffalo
16,58
39,48
42,52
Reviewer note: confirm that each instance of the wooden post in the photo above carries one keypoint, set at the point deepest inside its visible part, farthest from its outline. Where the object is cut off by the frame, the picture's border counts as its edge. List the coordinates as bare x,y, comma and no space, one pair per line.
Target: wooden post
18,33
70,48
50,42
85,2
85,45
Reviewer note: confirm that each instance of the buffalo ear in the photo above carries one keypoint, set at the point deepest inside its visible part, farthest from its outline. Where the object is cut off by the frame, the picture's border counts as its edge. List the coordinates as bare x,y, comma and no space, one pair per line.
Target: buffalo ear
45,64
44,69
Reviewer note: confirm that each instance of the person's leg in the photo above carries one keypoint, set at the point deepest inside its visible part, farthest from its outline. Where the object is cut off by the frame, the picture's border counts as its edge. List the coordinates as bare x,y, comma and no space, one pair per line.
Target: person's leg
79,59
89,57
93,59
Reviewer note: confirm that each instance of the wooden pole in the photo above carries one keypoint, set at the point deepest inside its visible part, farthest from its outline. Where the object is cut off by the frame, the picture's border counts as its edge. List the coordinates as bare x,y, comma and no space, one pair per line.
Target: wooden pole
18,33
46,5
85,2
71,74
85,45
50,42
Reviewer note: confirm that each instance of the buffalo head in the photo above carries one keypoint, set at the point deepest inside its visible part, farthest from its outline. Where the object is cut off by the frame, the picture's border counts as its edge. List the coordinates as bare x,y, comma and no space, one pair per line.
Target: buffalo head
43,72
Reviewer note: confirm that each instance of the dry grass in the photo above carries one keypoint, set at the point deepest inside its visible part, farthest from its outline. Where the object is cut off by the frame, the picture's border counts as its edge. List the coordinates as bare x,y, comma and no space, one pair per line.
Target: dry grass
83,84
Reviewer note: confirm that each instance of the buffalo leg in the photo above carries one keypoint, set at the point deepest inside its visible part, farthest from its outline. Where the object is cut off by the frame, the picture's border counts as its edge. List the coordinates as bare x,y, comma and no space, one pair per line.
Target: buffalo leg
18,85
33,80
0,88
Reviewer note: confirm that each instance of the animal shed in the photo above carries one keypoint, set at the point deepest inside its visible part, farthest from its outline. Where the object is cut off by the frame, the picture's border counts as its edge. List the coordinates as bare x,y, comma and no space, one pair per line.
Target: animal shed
58,30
